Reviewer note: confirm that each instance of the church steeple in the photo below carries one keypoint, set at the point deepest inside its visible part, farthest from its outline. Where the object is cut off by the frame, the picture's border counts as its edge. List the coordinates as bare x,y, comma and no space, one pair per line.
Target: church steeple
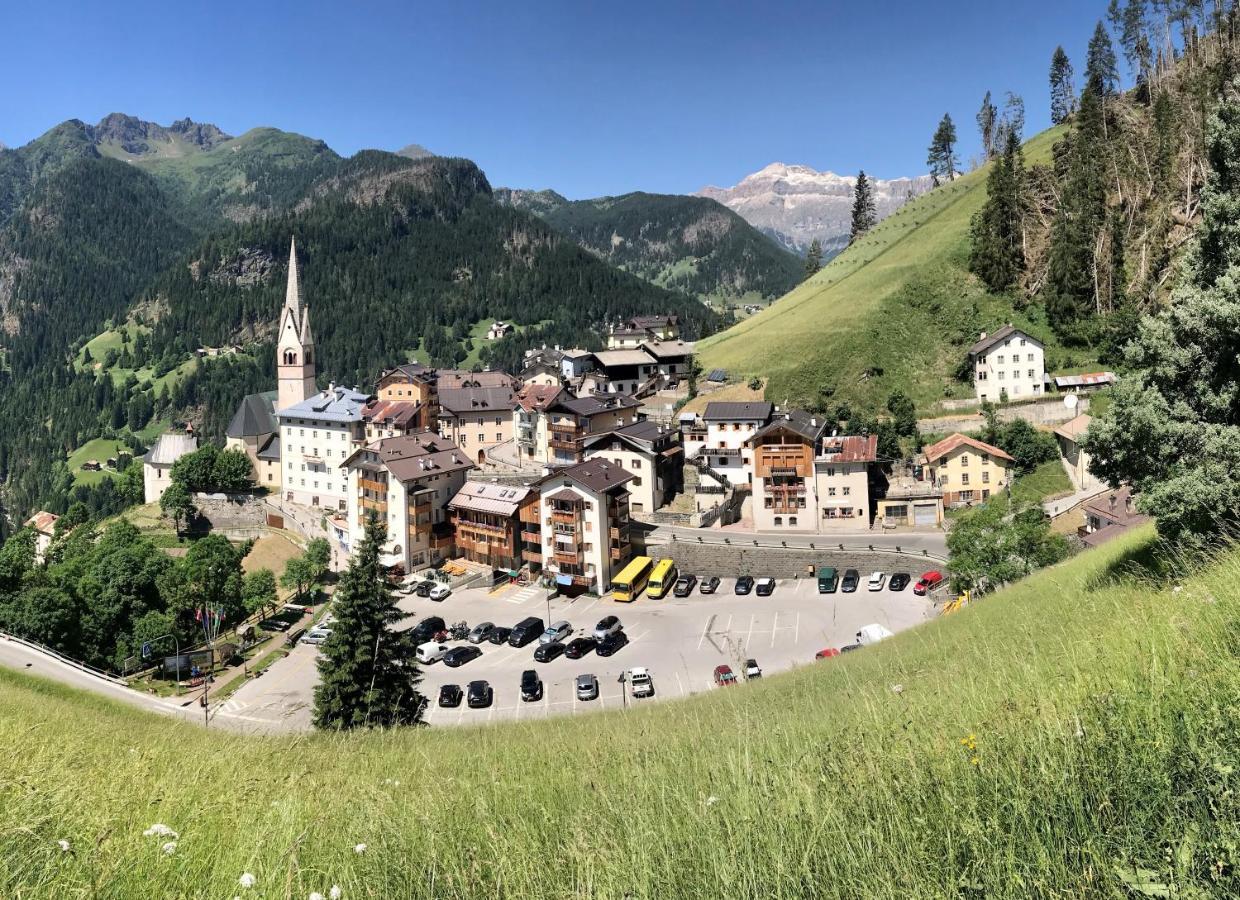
295,343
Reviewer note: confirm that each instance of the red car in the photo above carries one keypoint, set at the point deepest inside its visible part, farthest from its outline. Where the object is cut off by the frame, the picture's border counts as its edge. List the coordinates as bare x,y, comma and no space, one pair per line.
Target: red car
724,676
927,582
826,654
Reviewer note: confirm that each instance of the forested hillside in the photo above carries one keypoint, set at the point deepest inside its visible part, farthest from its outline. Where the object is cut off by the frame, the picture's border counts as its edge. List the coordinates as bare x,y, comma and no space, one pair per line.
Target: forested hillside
689,244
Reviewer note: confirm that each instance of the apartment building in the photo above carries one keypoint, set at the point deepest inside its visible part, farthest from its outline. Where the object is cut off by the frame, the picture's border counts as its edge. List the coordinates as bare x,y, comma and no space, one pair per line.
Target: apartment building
317,435
476,418
406,481
585,524
390,418
728,426
965,469
530,418
570,420
842,473
1009,364
639,329
652,453
785,495
625,371
498,525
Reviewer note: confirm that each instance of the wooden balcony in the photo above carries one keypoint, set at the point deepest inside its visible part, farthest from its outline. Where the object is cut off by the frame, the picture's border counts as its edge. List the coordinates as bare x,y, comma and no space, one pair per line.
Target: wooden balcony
559,517
566,559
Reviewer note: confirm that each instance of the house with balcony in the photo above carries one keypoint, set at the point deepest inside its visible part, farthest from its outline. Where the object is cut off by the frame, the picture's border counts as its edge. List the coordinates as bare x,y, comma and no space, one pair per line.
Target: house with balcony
585,524
652,453
1009,364
843,472
476,418
965,469
407,482
498,525
316,436
390,418
723,459
785,496
624,371
570,420
639,329
530,419
412,383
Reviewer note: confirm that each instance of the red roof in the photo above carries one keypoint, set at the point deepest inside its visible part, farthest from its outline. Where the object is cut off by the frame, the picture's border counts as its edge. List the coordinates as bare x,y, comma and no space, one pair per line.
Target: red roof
851,448
952,442
398,412
537,396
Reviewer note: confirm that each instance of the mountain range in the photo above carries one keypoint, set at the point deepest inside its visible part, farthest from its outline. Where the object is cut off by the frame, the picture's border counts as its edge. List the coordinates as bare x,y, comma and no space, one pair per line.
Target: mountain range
796,205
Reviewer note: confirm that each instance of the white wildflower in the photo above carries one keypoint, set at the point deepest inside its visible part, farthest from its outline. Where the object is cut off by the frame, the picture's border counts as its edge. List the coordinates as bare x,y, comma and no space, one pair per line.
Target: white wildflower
897,689
169,848
315,895
159,829
64,846
712,800
247,880
335,893
1176,589
359,848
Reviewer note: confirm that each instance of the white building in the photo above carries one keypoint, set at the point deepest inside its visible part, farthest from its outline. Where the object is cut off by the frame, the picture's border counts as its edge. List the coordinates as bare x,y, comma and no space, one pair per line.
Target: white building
317,435
728,426
157,464
1008,364
585,524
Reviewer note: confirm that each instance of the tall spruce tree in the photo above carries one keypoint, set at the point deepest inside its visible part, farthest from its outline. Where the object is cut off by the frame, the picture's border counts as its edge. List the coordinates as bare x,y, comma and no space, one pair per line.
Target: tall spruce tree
942,154
1100,61
1012,121
1063,92
864,212
813,258
997,255
1173,431
1070,291
987,122
368,670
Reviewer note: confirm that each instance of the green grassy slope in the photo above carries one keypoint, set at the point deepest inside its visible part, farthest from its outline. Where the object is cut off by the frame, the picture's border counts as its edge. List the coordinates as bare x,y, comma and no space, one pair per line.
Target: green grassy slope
900,300
1053,740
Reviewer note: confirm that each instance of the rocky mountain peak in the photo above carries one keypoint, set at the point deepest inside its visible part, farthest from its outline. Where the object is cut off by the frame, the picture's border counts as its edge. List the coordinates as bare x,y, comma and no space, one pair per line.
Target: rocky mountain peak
137,137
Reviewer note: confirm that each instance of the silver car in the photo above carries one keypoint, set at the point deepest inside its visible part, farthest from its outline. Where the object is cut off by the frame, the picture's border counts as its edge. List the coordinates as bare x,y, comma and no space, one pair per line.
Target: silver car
556,631
481,632
587,687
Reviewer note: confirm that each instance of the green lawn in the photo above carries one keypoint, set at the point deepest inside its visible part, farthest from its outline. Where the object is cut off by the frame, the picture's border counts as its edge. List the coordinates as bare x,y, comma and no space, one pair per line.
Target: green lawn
1045,481
898,309
1067,737
100,449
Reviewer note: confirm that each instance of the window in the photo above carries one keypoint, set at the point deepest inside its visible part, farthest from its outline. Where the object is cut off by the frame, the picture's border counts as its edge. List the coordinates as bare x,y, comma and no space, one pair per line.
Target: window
964,479
481,438
1022,342
981,374
637,482
830,492
985,478
1000,376
1000,359
779,520
847,490
1030,357
1031,373
792,520
830,473
964,459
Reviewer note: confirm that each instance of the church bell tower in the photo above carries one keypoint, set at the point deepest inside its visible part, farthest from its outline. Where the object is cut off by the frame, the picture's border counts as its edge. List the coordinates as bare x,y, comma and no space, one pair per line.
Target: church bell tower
295,344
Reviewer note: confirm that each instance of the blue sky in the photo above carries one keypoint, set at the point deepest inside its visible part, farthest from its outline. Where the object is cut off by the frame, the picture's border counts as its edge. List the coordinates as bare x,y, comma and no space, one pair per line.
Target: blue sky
586,97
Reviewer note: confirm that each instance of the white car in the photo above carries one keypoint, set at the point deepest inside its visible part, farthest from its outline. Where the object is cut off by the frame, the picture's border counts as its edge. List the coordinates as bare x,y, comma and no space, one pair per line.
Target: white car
877,580
643,684
440,592
557,631
317,636
872,634
431,651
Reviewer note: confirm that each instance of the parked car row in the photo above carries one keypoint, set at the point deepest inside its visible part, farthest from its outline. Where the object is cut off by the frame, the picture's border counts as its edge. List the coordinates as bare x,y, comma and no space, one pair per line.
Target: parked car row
430,637
869,634
479,694
434,590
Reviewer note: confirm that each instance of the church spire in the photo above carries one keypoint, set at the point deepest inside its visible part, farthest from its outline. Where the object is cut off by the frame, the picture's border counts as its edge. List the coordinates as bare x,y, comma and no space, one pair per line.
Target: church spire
292,294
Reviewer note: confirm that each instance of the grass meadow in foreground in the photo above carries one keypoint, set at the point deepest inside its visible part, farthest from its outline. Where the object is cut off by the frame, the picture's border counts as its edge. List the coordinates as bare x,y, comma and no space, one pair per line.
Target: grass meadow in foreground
1074,736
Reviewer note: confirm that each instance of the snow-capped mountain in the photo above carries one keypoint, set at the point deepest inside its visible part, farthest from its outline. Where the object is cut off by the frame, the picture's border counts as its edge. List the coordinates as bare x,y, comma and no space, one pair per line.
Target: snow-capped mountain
795,204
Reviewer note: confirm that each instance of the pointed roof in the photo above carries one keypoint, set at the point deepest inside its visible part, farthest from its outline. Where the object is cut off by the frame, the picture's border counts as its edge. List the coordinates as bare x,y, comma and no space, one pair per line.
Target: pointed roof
957,440
292,293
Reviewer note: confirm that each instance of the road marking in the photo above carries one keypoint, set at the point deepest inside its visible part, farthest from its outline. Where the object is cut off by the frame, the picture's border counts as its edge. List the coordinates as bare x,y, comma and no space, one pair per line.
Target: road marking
749,635
774,628
796,638
679,684
706,631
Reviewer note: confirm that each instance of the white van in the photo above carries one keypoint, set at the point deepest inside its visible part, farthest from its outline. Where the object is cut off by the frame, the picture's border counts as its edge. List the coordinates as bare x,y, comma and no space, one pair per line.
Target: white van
872,634
643,684
431,651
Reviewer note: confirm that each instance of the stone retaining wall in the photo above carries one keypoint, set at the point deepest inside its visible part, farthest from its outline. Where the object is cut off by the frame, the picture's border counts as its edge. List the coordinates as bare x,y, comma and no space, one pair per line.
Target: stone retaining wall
791,562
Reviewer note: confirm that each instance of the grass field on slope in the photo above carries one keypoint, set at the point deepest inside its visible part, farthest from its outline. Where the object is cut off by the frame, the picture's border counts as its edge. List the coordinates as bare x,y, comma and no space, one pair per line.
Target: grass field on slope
900,300
1063,738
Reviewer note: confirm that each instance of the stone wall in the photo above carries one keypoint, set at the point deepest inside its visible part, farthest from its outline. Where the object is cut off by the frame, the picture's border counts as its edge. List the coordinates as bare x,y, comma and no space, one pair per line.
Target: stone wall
1050,411
730,560
232,511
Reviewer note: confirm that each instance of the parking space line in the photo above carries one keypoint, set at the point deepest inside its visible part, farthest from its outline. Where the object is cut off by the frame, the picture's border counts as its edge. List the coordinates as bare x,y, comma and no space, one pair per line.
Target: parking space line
705,631
749,635
796,638
774,628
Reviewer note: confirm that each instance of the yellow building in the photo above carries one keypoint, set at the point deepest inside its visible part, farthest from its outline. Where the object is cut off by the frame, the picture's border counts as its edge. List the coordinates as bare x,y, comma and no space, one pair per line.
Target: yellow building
966,470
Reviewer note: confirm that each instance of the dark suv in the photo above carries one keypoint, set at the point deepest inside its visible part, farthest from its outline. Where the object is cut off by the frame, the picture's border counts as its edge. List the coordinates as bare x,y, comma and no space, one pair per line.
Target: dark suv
531,686
427,629
529,629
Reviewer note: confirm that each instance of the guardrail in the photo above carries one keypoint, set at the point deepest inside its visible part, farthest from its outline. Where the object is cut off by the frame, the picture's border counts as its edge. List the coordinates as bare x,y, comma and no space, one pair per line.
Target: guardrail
762,542
60,657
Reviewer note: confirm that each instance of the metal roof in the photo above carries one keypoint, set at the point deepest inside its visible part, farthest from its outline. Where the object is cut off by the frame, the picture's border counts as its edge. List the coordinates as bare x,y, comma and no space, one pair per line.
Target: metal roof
497,499
255,416
989,340
1088,379
728,411
170,447
336,404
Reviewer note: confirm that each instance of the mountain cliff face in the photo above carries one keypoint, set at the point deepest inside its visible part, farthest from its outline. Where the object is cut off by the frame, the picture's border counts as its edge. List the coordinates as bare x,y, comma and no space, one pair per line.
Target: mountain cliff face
796,204
690,244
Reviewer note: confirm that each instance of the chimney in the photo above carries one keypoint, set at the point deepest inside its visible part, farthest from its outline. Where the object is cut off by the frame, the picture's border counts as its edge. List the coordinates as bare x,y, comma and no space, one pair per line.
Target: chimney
813,422
1112,498
982,337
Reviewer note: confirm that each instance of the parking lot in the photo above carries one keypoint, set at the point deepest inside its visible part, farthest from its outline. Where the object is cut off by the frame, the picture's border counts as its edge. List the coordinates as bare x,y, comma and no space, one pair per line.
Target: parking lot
679,640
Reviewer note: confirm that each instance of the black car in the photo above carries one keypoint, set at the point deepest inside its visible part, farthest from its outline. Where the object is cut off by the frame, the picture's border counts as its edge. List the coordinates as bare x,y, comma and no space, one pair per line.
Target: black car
531,686
685,585
850,581
744,585
849,648
427,629
450,695
709,585
548,652
480,695
499,635
899,581
528,629
458,656
610,644
766,587
579,647
424,588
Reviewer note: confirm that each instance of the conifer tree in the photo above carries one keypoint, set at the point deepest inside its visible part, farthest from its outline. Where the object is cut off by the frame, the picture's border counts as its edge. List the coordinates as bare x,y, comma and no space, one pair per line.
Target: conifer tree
1173,431
942,154
987,121
864,212
1063,93
813,259
1101,62
997,255
368,671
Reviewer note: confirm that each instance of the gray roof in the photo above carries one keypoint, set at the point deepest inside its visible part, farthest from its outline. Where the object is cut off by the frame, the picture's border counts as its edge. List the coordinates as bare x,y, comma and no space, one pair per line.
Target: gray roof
170,447
597,475
644,434
1003,333
616,358
476,399
255,416
271,449
798,421
669,349
337,404
498,499
594,404
726,411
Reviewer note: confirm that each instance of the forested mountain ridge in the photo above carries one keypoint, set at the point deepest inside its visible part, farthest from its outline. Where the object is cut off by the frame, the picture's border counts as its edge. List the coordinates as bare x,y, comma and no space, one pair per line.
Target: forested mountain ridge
691,244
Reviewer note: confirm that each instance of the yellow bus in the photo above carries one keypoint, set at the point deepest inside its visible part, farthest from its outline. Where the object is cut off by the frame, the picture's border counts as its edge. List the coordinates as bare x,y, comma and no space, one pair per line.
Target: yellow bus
662,579
629,584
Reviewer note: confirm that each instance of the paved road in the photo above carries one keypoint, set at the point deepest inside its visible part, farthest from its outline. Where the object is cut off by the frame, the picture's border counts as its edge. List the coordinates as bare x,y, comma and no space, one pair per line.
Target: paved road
933,543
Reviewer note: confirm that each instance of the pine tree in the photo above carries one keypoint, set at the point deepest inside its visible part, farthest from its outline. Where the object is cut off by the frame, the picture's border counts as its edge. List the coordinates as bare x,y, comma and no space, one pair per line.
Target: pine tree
813,259
987,121
1012,121
997,255
942,154
864,212
1063,93
1100,61
1129,23
368,671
